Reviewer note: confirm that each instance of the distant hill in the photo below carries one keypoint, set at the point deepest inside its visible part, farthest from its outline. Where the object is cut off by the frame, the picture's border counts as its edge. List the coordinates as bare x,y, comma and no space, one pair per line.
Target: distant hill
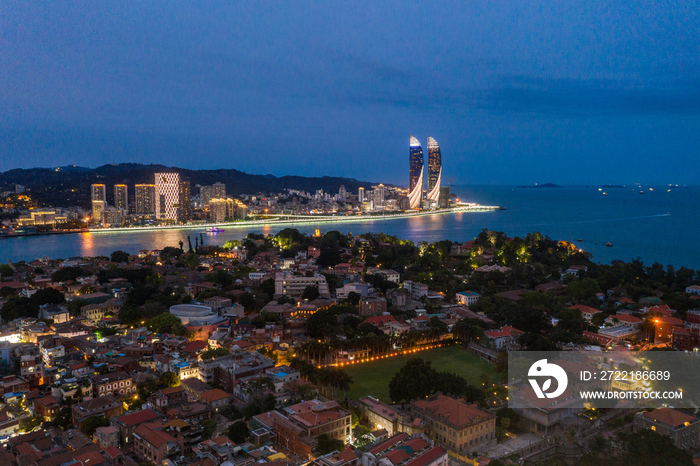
70,186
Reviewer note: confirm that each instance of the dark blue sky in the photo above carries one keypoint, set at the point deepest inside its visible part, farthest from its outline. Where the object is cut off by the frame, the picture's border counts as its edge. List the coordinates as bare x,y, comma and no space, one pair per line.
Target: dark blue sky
567,91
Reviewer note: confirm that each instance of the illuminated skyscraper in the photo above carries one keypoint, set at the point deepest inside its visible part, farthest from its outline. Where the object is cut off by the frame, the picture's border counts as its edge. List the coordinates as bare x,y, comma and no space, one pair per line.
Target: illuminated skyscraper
434,170
98,196
361,195
415,174
121,197
214,191
145,199
184,207
167,195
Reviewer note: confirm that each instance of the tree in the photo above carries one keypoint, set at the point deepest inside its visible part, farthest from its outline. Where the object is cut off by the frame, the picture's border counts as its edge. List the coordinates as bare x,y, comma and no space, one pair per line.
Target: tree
169,379
209,426
92,423
29,424
214,353
85,289
6,270
310,293
168,323
120,257
238,431
64,418
328,444
414,380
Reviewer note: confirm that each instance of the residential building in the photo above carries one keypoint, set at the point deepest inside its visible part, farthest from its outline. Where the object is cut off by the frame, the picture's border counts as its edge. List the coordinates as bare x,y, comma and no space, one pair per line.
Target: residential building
126,424
288,284
98,196
405,450
167,195
502,337
106,406
153,444
682,428
184,207
106,437
145,199
121,197
216,399
372,306
387,417
46,408
586,312
454,424
115,383
467,297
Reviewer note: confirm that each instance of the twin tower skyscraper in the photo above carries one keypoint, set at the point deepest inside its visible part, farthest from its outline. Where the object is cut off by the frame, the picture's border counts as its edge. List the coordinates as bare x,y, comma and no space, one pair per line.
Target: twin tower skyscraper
416,171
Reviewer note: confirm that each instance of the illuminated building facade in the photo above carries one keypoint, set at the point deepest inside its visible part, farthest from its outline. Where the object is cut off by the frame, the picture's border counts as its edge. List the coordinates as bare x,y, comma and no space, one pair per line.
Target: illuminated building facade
214,191
415,174
434,170
145,199
98,196
361,195
184,208
167,195
121,197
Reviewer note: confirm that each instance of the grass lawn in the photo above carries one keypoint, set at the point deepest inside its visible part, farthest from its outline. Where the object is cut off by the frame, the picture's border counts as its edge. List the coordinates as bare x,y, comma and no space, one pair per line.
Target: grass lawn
372,378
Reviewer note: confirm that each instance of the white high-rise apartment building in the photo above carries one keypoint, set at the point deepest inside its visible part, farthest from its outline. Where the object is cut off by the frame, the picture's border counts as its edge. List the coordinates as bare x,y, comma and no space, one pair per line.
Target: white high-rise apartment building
167,195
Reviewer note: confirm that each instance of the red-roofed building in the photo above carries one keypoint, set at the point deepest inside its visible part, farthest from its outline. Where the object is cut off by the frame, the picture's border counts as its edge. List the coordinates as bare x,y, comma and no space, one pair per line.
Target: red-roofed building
685,339
216,399
625,320
602,339
662,310
454,424
130,421
47,408
346,457
380,321
682,428
402,449
664,327
587,312
153,444
504,335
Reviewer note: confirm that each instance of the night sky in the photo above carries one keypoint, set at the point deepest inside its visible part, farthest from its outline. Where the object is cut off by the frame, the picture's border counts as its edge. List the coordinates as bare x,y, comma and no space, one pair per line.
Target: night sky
563,91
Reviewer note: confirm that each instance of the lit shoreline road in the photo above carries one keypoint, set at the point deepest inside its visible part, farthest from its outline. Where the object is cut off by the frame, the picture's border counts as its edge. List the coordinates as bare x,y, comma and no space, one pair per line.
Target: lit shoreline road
300,219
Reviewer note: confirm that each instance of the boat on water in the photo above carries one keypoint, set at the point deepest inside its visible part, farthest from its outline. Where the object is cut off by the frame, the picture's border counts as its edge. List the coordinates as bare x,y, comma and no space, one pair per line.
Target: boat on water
608,245
580,240
214,230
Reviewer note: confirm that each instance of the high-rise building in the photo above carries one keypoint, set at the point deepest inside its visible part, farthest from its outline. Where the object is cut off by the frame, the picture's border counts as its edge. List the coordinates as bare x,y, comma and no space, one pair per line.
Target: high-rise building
145,199
444,200
121,197
378,195
214,191
184,208
434,170
415,174
98,196
361,195
167,195
342,193
227,209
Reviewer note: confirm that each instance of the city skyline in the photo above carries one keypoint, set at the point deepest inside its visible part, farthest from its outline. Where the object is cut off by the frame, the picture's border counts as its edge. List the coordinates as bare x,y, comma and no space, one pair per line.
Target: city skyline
519,94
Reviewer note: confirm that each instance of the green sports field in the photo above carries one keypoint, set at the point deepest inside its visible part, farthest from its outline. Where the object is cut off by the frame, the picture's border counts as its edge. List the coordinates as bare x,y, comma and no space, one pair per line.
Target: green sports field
372,378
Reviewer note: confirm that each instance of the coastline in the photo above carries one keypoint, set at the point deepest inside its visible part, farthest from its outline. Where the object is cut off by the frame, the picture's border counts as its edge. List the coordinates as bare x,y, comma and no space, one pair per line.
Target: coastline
299,220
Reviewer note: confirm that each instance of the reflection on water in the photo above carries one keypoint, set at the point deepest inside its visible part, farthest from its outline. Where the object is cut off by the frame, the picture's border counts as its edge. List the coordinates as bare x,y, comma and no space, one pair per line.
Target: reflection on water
628,220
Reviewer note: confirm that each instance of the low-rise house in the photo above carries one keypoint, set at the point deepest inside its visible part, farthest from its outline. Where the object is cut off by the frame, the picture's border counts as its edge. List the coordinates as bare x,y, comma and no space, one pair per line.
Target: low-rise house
693,289
127,423
587,312
153,444
107,437
405,450
454,424
116,383
166,398
467,297
47,408
682,428
664,327
216,399
106,406
503,336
